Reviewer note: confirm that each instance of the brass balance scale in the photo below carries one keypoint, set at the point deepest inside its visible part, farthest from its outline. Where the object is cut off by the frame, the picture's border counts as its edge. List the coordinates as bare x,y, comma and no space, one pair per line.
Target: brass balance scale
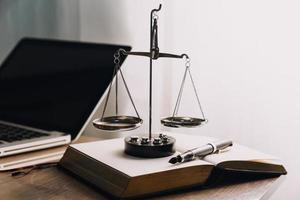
151,146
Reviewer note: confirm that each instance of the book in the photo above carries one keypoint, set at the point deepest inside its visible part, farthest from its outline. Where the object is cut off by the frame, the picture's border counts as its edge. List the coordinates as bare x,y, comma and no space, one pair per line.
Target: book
27,159
105,165
33,158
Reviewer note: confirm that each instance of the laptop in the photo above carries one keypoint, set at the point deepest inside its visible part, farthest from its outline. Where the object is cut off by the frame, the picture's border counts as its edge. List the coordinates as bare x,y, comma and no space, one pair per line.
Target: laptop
49,90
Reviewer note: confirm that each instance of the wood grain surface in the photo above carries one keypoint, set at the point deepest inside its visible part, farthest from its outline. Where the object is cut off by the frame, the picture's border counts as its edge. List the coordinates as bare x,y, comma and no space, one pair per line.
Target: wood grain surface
56,184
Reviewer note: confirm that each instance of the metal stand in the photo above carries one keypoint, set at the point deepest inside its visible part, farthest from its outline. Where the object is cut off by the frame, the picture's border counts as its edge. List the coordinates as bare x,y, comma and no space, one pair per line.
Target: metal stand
157,146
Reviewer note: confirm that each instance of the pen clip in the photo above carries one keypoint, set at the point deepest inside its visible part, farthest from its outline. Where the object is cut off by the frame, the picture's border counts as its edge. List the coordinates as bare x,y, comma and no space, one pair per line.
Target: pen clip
223,150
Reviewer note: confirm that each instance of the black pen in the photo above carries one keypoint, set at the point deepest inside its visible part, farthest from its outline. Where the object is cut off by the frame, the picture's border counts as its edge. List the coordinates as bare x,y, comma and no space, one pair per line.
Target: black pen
202,151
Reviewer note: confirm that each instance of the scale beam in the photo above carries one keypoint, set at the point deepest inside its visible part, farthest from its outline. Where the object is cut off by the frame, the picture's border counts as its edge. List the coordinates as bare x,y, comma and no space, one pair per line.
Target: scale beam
154,55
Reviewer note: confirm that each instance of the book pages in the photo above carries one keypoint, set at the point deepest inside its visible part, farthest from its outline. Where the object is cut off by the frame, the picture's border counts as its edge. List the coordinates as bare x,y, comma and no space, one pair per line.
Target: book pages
111,152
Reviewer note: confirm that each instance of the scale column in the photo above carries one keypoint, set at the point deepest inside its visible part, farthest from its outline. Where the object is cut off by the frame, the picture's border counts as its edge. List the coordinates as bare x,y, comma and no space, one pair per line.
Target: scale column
154,54
150,76
159,145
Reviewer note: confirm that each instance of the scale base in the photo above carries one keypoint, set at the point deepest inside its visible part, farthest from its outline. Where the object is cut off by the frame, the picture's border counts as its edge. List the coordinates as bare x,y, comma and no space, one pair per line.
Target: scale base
160,146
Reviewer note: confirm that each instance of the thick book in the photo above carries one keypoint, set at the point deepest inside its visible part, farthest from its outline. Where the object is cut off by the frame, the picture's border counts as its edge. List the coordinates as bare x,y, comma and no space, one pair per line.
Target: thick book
105,165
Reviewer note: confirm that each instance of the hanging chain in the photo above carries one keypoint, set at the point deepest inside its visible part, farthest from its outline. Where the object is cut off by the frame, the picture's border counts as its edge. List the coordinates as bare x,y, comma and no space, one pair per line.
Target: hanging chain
194,87
155,15
187,62
108,94
117,58
129,94
115,74
178,101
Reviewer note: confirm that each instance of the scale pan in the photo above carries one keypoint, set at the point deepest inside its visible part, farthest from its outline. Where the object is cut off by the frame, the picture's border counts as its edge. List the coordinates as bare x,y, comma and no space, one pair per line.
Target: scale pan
117,123
179,122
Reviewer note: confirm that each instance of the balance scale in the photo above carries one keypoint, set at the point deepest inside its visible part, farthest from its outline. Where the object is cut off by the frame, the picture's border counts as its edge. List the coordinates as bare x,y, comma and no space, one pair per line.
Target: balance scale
154,145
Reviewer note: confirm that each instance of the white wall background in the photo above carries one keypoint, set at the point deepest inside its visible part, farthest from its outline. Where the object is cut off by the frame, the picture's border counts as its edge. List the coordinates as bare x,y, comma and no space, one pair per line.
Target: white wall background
244,60
37,18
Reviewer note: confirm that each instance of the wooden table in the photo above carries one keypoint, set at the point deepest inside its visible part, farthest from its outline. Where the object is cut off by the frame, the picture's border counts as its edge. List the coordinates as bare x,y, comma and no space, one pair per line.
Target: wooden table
55,184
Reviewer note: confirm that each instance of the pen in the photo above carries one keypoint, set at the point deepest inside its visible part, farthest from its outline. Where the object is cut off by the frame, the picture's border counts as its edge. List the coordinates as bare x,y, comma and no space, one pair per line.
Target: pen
205,150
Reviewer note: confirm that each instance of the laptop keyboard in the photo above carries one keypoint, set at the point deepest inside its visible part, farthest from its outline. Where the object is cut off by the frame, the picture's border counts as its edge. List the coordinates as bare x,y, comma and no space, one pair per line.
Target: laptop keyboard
11,133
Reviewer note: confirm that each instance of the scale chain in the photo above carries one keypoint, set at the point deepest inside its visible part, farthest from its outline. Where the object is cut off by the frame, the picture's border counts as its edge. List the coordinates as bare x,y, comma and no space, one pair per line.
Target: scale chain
180,94
187,64
125,84
107,96
178,101
195,90
115,73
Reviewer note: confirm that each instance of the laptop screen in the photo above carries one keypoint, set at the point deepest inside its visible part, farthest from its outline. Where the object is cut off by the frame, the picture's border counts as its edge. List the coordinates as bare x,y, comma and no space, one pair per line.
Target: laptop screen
54,85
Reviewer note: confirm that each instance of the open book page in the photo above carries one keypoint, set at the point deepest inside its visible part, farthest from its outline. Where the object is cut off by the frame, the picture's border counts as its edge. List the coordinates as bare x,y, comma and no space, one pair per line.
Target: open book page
111,152
186,142
235,153
239,153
